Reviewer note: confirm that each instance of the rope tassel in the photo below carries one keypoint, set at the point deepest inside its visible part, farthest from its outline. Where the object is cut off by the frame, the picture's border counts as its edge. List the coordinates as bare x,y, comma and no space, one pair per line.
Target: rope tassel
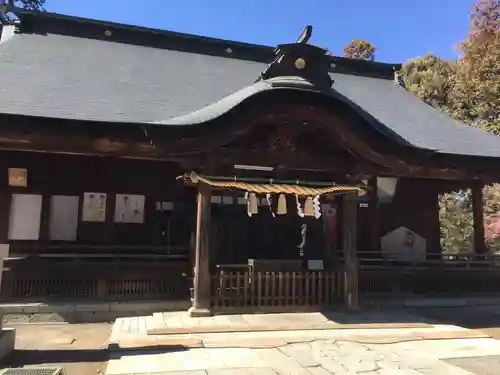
299,207
281,205
309,207
317,207
253,206
268,199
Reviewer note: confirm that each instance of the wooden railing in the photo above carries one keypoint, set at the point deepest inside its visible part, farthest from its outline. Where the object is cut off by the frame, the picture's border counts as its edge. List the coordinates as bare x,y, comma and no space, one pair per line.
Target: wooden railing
393,281
275,290
98,253
39,279
438,274
376,259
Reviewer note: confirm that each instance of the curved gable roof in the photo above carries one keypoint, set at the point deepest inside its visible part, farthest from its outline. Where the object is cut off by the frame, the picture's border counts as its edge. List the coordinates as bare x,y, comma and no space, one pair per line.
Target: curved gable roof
63,67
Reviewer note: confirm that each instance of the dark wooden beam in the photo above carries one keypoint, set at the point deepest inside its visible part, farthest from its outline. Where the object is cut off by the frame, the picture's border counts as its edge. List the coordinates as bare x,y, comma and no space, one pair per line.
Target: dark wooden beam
5,202
373,214
109,180
45,219
291,161
202,279
350,223
161,144
478,216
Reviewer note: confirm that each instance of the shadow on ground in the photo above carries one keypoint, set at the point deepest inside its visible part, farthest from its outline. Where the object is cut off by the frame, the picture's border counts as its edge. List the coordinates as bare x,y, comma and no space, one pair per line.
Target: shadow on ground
28,357
482,317
472,317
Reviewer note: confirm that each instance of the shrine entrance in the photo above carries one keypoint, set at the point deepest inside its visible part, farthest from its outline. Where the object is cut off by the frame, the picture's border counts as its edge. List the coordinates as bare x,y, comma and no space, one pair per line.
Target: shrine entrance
309,277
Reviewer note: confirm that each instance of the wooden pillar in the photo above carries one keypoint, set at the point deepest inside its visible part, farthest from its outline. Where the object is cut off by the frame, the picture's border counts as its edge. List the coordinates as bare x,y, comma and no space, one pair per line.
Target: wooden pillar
350,223
433,248
202,281
478,215
7,335
5,203
373,212
45,219
110,174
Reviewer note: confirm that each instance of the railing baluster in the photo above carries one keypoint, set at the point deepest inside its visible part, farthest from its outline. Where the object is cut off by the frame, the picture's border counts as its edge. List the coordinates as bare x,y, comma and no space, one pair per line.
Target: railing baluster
259,288
280,290
238,294
315,300
246,275
267,298
287,298
307,295
273,289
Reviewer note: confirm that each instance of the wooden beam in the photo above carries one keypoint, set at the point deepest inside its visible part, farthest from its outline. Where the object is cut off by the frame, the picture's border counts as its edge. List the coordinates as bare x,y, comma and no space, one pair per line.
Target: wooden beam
109,181
478,217
28,136
202,279
45,219
5,202
349,223
144,151
373,214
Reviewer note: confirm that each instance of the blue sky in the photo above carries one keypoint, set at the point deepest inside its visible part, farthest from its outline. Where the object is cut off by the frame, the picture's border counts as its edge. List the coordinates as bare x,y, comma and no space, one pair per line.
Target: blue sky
399,29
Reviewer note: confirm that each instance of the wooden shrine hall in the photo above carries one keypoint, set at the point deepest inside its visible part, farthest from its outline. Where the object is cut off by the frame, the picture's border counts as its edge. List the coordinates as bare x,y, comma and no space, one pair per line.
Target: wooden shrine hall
141,163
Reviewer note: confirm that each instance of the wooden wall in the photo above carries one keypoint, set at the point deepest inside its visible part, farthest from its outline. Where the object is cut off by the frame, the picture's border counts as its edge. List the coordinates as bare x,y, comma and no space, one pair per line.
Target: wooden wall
414,206
51,174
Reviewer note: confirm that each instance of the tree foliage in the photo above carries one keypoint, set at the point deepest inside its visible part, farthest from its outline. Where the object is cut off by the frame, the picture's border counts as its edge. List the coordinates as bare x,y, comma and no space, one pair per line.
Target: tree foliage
455,213
360,49
476,93
431,79
25,4
468,90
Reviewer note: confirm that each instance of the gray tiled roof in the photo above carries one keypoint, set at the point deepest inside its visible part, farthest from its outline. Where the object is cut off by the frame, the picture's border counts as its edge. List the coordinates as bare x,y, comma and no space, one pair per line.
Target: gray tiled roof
387,104
78,78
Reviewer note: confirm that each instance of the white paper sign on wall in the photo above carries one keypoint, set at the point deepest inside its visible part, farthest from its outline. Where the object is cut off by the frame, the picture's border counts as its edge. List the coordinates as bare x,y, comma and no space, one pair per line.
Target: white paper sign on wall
129,208
404,244
64,217
25,217
94,207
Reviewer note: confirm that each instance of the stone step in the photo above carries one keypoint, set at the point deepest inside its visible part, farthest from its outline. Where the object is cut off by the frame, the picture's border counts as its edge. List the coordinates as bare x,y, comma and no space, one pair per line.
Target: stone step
157,322
175,323
129,329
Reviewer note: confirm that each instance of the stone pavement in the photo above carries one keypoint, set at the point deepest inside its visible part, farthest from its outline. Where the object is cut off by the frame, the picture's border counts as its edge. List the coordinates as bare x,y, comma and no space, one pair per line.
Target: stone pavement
376,351
367,347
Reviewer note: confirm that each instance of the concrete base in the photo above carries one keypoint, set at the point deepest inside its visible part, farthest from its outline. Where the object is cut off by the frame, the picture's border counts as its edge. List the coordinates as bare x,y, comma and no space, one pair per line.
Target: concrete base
196,312
7,342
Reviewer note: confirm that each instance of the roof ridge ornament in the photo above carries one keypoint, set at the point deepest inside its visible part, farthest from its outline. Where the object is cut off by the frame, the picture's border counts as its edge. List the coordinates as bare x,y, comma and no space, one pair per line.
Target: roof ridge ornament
306,35
303,60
